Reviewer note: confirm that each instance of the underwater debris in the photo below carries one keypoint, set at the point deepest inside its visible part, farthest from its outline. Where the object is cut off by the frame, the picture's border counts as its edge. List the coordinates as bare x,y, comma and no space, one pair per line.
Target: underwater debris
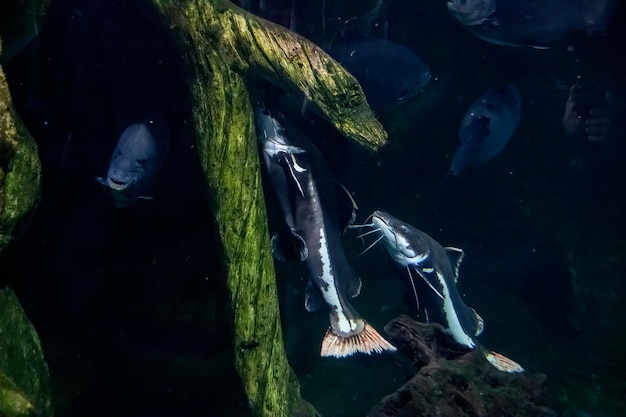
452,382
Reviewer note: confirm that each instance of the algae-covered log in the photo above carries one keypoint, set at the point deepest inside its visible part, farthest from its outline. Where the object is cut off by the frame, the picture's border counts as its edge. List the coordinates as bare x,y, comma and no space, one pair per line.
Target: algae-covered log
252,46
24,376
224,47
19,166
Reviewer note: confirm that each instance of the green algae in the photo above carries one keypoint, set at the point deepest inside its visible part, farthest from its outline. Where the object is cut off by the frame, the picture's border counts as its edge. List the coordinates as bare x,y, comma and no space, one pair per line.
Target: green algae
20,169
225,50
24,375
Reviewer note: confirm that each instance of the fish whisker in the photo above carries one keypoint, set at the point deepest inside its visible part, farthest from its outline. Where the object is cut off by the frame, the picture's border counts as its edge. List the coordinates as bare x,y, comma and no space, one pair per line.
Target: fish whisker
359,226
417,302
372,245
365,223
368,233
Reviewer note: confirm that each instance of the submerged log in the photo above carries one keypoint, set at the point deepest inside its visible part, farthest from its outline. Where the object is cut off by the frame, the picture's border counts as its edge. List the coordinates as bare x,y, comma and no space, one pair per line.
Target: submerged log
226,48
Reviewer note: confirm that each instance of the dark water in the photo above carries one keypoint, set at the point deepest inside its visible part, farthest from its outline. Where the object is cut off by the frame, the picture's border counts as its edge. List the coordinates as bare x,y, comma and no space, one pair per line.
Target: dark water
119,296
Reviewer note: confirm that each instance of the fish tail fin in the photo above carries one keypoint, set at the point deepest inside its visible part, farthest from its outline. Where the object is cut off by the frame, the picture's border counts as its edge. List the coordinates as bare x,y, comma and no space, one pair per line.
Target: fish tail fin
501,362
367,341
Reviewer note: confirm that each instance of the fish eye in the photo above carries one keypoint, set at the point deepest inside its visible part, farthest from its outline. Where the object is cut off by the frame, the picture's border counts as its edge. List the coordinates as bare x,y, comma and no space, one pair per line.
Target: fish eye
142,162
404,228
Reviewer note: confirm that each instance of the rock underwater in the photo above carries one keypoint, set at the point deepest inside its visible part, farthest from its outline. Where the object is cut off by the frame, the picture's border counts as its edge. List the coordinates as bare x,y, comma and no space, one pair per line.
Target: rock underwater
453,382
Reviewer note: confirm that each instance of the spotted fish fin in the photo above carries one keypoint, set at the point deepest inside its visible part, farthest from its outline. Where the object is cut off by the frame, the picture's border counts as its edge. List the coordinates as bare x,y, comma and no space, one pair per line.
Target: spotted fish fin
312,297
456,257
346,207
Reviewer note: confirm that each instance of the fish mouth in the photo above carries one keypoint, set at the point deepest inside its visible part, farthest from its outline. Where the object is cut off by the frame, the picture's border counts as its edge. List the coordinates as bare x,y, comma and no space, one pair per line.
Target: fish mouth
380,219
117,185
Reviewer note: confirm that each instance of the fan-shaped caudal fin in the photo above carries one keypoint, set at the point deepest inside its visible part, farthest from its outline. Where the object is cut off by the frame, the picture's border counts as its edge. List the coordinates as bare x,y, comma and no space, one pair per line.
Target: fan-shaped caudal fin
502,363
367,341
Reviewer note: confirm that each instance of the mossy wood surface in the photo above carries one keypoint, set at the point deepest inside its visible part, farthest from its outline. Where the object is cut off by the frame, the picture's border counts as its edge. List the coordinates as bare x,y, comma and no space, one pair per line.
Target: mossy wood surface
225,48
254,47
222,117
20,170
24,375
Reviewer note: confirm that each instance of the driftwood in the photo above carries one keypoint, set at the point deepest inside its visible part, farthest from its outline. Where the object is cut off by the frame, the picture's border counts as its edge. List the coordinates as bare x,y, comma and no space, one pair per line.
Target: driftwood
225,49
453,382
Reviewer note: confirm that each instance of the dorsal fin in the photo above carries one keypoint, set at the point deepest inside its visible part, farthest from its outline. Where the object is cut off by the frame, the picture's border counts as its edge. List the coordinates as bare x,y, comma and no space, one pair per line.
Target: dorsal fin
456,257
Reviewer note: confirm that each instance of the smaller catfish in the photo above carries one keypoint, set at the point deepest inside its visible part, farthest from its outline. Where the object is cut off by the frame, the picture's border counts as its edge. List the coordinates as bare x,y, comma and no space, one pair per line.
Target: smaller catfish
308,197
487,126
136,160
426,267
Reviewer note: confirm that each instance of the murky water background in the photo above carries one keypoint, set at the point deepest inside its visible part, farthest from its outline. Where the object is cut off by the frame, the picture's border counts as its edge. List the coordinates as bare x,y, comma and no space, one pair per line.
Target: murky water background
117,295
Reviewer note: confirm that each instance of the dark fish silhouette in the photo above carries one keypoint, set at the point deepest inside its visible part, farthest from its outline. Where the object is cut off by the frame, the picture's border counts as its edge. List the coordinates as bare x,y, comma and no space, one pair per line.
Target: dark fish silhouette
487,126
533,23
388,72
137,158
